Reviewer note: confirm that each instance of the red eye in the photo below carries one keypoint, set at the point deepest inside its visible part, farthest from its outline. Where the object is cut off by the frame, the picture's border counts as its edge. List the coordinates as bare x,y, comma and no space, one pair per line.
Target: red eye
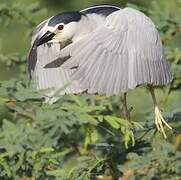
60,27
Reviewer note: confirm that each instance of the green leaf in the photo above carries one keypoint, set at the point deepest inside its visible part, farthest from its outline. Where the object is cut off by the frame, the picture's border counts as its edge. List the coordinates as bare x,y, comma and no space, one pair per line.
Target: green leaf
113,121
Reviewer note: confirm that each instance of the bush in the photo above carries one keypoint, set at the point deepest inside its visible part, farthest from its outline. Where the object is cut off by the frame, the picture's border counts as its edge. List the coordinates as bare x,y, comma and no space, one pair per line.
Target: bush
83,136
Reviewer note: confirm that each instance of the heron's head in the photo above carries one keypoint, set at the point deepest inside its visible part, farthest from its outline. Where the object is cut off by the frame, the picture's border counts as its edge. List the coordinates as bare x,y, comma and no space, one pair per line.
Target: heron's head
61,27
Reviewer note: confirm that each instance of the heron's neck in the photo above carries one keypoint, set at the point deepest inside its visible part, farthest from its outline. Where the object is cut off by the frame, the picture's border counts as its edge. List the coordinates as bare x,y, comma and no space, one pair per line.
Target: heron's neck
87,25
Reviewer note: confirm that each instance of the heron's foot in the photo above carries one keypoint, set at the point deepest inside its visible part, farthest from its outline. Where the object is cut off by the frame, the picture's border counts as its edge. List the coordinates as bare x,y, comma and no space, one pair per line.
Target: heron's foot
160,122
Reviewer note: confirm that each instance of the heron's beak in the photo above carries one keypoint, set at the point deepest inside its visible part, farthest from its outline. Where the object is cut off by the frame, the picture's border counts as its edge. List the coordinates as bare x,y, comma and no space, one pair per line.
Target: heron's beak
45,38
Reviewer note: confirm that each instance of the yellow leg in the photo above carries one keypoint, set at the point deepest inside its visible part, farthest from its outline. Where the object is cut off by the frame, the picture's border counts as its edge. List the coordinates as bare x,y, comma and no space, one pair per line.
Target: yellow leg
159,120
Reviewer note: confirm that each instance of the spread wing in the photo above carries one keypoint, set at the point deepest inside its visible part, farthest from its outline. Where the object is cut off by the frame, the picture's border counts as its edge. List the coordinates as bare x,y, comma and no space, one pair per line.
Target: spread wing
122,54
42,55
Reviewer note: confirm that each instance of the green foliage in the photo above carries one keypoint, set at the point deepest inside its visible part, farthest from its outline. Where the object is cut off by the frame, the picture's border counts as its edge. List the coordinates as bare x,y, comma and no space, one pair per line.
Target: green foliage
83,137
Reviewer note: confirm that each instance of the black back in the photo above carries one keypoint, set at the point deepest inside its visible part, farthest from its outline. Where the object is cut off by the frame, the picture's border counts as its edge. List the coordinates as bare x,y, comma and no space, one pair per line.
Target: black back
102,10
65,17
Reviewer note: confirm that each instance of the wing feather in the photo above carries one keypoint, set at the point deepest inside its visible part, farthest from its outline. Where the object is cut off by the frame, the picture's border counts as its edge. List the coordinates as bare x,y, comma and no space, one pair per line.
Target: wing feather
122,54
51,77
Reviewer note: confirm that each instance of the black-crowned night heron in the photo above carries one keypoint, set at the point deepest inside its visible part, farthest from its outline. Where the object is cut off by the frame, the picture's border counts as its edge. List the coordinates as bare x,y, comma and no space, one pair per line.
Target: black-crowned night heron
102,49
